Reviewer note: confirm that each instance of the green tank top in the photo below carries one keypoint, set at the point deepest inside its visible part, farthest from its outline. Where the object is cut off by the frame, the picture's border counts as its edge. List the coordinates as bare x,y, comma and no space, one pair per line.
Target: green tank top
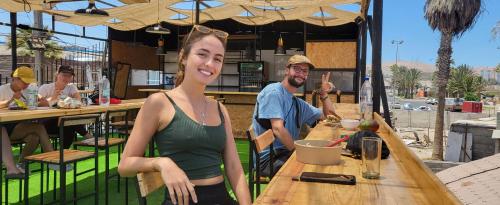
197,149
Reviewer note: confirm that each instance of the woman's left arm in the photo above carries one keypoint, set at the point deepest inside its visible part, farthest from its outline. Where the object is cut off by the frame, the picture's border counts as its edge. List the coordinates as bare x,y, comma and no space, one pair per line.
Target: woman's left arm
232,164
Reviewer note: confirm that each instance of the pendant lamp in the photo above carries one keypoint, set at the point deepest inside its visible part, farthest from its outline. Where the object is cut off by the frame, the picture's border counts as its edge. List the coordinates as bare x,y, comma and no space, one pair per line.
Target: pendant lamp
279,48
91,10
158,29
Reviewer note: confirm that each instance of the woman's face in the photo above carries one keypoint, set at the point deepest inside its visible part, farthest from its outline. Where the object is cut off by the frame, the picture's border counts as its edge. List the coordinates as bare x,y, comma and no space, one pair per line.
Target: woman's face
64,78
204,62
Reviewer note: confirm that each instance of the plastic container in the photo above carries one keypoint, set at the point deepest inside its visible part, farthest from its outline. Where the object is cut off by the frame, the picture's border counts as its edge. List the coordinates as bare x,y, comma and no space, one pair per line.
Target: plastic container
32,96
104,92
349,124
316,152
365,100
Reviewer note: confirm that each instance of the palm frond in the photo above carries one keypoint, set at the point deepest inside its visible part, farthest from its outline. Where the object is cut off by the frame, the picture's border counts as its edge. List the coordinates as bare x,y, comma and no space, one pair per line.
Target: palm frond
452,16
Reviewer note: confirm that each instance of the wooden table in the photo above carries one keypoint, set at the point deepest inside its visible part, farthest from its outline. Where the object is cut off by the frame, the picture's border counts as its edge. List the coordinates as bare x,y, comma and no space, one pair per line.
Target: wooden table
404,178
20,115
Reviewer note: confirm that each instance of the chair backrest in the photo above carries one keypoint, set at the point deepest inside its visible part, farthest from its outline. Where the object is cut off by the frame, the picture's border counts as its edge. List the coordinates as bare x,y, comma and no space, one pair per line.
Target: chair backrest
78,120
262,141
149,182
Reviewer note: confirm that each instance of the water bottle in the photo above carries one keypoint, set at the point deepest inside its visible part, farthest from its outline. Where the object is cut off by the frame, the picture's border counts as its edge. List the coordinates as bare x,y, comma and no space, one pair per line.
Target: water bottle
32,96
365,100
104,92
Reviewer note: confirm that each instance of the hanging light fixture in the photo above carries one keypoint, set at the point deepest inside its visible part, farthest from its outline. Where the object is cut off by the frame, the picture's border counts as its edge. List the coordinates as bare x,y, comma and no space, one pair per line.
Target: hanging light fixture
91,10
161,47
279,48
158,29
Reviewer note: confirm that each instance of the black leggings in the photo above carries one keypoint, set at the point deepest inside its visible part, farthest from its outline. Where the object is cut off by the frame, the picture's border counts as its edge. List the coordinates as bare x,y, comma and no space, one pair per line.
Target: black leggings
69,131
208,195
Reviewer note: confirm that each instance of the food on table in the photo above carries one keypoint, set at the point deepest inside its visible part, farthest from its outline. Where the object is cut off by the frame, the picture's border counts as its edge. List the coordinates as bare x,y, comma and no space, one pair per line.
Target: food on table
371,125
17,104
69,103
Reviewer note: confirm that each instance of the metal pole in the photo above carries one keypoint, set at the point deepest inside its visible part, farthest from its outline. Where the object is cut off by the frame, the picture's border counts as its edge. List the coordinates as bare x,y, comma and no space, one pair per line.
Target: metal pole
377,53
38,23
13,39
197,20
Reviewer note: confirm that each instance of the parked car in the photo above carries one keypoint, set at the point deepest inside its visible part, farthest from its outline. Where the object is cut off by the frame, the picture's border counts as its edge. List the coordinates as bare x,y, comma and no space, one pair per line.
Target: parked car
423,108
407,106
431,101
453,104
396,106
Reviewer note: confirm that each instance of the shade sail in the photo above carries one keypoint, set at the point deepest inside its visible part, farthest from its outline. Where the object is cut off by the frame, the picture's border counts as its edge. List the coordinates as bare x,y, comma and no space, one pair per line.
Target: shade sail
136,14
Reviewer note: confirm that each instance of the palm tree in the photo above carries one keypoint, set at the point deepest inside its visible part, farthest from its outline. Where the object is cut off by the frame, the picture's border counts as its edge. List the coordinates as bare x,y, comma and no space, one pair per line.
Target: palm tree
413,77
463,80
452,18
52,49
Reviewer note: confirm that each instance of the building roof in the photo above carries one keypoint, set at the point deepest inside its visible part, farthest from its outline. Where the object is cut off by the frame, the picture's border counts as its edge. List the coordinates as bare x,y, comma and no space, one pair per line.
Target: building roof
137,14
476,182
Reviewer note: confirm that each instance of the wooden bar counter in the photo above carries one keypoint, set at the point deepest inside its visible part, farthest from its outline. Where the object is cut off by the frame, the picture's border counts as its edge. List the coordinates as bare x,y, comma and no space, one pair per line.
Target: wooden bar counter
404,178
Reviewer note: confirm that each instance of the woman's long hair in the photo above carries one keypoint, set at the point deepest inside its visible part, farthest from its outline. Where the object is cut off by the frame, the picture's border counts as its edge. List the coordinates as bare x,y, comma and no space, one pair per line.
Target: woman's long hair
189,40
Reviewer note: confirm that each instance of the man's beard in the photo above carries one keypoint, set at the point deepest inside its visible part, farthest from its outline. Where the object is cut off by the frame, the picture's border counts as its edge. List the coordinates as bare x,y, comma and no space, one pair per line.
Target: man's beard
291,81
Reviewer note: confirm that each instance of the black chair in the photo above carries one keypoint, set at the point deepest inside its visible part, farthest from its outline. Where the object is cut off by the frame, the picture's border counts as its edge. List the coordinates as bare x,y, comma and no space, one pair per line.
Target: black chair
257,145
63,157
107,142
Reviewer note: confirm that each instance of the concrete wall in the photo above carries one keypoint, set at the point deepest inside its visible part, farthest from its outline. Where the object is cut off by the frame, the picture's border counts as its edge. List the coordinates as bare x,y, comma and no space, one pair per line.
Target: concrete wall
482,144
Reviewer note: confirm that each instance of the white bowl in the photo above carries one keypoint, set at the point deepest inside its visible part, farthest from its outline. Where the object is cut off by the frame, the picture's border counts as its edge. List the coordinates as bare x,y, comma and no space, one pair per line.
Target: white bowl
315,152
349,124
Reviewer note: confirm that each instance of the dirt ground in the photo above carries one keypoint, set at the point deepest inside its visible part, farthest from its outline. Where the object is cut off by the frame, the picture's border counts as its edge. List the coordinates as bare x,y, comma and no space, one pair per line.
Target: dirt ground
422,148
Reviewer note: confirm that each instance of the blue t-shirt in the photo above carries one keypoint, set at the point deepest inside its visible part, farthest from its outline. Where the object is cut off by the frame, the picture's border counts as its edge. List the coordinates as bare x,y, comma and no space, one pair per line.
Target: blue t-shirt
275,102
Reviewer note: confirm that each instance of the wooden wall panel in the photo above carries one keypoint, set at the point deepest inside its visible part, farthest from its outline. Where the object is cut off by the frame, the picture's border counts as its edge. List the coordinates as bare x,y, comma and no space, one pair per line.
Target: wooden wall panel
139,57
332,55
345,98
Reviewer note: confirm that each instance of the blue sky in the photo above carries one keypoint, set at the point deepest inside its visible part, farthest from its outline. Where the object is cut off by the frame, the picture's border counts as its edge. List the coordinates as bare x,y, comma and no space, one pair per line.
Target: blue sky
403,20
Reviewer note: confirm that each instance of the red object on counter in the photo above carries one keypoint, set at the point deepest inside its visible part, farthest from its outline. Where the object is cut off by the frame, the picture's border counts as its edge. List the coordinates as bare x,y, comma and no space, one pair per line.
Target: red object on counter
338,141
471,106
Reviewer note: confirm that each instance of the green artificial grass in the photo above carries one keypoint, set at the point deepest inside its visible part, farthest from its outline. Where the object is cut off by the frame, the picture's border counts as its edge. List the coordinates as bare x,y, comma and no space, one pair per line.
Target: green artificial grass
85,183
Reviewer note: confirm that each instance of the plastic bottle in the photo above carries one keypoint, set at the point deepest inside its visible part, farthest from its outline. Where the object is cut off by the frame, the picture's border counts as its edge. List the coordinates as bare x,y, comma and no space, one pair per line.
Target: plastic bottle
32,96
104,92
365,100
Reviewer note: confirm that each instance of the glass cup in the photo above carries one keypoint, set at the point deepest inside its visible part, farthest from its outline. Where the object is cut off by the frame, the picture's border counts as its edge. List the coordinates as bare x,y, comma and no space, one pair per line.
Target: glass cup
371,149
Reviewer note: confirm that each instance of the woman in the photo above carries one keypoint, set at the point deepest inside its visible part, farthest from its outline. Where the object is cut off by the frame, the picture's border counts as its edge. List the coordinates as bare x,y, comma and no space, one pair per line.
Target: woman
61,89
193,133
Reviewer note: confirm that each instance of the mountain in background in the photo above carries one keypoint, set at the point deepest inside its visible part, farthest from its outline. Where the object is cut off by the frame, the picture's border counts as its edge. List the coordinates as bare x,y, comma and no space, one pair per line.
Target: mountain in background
427,69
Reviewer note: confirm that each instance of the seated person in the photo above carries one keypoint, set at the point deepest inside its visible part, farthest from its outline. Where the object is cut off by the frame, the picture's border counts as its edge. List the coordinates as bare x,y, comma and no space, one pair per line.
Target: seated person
279,110
61,89
30,133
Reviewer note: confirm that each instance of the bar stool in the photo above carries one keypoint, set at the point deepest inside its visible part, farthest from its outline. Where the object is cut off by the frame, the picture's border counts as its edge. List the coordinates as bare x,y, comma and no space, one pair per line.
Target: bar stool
62,157
107,142
257,145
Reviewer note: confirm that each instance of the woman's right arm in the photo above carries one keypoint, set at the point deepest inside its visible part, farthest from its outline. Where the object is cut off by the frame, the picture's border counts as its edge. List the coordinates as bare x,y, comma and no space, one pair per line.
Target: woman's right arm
133,160
145,126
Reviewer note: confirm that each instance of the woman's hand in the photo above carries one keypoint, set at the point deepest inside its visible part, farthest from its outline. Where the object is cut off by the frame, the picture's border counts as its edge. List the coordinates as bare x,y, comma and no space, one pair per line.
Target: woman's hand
178,184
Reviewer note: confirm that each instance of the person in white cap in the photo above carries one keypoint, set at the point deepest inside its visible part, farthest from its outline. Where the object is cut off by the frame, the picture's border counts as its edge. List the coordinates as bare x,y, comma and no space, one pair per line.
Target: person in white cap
278,109
30,133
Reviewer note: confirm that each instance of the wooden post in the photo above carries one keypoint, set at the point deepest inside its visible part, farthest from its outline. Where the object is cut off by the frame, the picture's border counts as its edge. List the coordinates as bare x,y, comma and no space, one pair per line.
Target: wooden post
13,39
377,53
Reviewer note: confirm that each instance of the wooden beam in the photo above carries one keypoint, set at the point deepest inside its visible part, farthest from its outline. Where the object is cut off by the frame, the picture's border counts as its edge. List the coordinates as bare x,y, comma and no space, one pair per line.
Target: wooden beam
376,53
13,39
